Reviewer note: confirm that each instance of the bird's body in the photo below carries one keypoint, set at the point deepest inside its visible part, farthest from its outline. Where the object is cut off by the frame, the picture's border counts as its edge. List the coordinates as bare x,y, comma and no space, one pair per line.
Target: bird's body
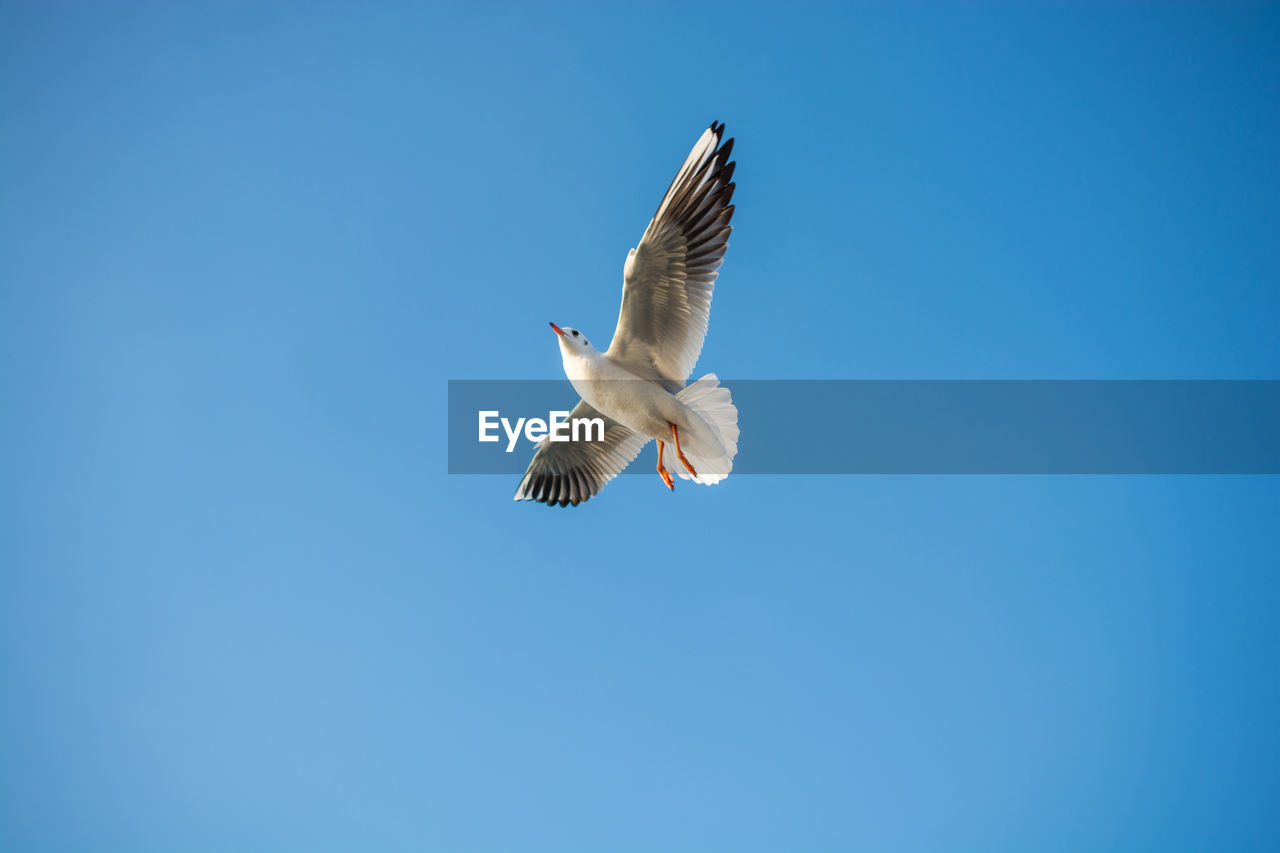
650,410
638,404
637,386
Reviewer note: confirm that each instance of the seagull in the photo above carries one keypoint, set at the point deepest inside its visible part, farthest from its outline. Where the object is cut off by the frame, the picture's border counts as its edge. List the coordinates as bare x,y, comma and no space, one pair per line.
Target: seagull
638,385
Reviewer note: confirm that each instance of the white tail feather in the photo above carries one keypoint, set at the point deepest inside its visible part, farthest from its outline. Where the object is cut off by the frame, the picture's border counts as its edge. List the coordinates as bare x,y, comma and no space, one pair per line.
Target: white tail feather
710,443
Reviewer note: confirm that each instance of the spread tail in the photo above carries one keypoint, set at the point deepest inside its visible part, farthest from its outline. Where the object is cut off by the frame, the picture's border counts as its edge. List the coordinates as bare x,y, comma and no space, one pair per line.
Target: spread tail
711,442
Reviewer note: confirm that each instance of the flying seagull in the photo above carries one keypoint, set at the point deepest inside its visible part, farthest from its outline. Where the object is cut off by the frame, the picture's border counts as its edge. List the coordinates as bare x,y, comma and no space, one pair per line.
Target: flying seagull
637,386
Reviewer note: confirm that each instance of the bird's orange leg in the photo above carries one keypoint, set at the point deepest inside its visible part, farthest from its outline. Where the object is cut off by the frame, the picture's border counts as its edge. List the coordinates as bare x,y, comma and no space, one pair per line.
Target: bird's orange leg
666,475
675,431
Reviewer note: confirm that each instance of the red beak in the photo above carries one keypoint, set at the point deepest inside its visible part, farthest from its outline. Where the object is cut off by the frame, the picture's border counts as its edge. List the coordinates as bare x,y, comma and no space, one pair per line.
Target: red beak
559,331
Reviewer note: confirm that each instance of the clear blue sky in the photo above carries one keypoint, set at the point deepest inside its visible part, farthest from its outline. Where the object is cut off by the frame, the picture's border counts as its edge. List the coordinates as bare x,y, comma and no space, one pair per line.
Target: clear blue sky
242,607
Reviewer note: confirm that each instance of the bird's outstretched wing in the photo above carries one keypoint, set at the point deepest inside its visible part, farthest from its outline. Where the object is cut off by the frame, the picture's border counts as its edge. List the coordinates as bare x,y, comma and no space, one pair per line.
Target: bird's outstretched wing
668,278
570,472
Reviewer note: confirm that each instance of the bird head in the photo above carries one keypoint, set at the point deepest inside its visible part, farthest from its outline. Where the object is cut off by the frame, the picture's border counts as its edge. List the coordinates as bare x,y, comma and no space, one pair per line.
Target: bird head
572,342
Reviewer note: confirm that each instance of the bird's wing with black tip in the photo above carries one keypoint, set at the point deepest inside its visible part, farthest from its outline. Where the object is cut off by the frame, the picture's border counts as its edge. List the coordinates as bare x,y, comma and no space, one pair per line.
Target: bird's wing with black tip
669,277
570,472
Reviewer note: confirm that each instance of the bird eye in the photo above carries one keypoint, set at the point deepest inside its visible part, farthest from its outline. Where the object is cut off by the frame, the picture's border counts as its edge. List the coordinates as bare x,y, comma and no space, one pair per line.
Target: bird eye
575,333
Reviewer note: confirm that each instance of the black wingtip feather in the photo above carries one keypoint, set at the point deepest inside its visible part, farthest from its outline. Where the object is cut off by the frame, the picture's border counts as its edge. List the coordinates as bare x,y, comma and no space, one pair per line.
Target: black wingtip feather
557,489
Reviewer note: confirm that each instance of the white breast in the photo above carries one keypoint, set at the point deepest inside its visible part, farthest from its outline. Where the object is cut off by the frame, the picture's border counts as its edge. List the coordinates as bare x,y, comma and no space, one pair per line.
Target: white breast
644,406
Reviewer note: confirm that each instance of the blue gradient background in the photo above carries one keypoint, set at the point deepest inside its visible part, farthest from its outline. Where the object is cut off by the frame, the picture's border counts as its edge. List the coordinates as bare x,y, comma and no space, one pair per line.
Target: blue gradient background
242,606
